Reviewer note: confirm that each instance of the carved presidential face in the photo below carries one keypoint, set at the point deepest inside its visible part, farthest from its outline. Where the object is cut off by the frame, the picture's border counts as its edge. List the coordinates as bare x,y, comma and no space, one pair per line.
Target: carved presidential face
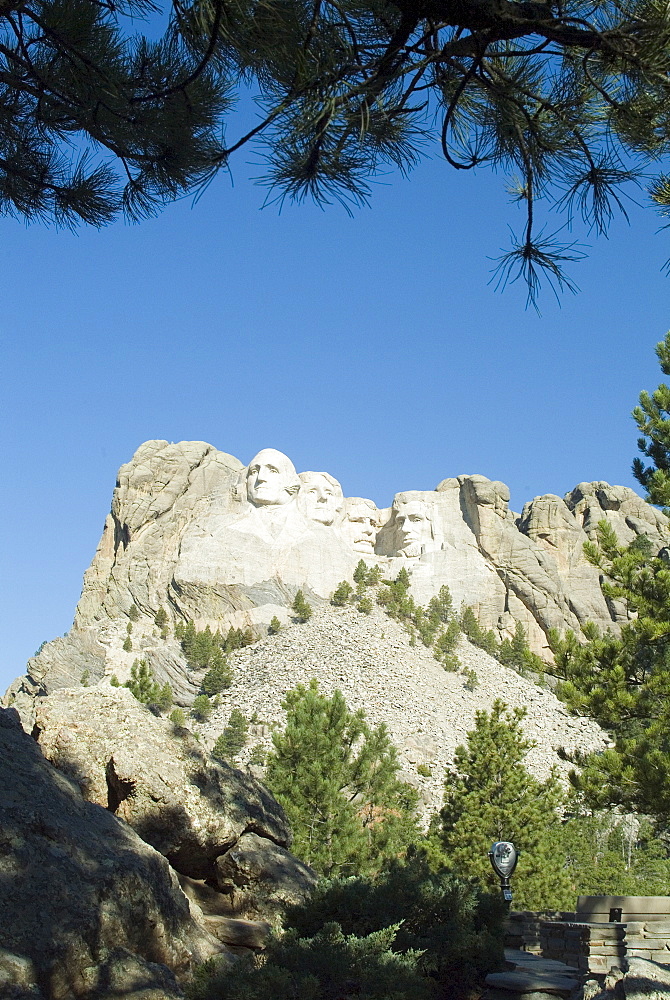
320,497
271,479
413,528
361,525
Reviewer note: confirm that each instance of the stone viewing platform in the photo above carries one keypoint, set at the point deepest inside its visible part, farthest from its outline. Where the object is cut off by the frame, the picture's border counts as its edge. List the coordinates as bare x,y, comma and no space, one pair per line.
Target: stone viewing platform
591,944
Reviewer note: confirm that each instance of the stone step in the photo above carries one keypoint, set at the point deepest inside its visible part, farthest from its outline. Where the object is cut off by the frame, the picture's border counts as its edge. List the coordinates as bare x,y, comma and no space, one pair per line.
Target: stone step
528,960
526,981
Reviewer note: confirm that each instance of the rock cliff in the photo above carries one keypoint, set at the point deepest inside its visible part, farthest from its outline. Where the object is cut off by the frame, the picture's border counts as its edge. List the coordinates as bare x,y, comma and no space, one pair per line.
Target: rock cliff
195,532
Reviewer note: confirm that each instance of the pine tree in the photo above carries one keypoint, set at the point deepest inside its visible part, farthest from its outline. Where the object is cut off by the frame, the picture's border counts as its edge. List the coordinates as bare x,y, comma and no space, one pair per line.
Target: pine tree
361,572
514,652
337,781
219,676
341,594
624,681
233,739
128,644
275,626
374,576
85,678
365,605
652,417
134,613
165,698
161,618
201,708
441,607
485,640
143,684
490,796
445,646
177,718
301,609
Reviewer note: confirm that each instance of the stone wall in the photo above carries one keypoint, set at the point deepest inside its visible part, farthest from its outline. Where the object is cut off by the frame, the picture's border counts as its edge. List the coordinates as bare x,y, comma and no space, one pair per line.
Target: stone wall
522,929
589,947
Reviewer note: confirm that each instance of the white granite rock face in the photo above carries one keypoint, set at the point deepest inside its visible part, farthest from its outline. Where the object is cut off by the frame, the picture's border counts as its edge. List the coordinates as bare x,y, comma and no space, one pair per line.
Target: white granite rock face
194,531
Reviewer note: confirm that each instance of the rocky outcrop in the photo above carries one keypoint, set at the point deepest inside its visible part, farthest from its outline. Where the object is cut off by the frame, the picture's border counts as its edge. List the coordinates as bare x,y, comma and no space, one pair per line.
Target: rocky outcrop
196,533
200,814
86,906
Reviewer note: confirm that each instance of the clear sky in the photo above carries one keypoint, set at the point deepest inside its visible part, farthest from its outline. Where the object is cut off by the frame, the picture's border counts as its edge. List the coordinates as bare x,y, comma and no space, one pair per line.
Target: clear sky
370,347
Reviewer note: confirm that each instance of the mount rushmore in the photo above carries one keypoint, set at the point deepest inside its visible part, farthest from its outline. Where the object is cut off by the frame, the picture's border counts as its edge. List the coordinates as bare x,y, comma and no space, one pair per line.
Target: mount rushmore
194,531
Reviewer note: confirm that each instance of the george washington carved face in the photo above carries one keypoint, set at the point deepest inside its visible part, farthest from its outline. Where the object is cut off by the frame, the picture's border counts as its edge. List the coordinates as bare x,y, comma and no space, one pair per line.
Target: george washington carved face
271,479
320,497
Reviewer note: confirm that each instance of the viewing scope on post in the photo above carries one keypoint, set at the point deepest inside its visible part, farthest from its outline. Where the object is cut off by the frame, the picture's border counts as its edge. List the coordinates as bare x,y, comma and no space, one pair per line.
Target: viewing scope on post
504,856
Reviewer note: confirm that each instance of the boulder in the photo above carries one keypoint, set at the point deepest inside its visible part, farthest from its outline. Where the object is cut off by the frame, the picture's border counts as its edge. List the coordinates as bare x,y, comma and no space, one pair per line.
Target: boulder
198,812
262,877
76,885
188,806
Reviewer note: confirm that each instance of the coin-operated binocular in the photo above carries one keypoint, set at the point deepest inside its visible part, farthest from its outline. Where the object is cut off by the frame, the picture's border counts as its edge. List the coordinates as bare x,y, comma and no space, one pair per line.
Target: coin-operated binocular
504,856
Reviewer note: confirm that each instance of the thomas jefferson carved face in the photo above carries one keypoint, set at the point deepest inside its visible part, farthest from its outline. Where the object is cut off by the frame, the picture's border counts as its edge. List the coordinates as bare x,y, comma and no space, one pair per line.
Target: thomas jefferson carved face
413,528
361,524
271,479
320,497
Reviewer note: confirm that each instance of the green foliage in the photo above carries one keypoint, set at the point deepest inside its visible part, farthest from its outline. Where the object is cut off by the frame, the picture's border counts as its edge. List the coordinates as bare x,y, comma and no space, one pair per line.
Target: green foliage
471,679
441,607
515,653
609,854
301,609
129,627
134,613
144,686
485,640
114,681
329,964
572,102
177,718
361,572
337,780
128,644
258,755
445,646
395,599
201,708
275,626
405,934
365,605
624,681
85,678
233,739
219,676
490,796
652,417
161,618
153,104
424,770
341,594
374,576
164,699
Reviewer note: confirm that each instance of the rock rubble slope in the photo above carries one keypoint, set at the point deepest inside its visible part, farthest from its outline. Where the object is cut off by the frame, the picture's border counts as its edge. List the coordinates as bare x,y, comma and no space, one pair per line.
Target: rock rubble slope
427,710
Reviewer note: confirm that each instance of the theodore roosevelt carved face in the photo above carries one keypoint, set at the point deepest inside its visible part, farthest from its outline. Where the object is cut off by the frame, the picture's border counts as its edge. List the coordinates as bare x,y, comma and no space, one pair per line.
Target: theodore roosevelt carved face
361,524
271,479
320,497
413,528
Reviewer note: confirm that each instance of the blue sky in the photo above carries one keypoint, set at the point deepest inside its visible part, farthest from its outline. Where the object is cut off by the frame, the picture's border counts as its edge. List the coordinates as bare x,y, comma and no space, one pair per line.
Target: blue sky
370,347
